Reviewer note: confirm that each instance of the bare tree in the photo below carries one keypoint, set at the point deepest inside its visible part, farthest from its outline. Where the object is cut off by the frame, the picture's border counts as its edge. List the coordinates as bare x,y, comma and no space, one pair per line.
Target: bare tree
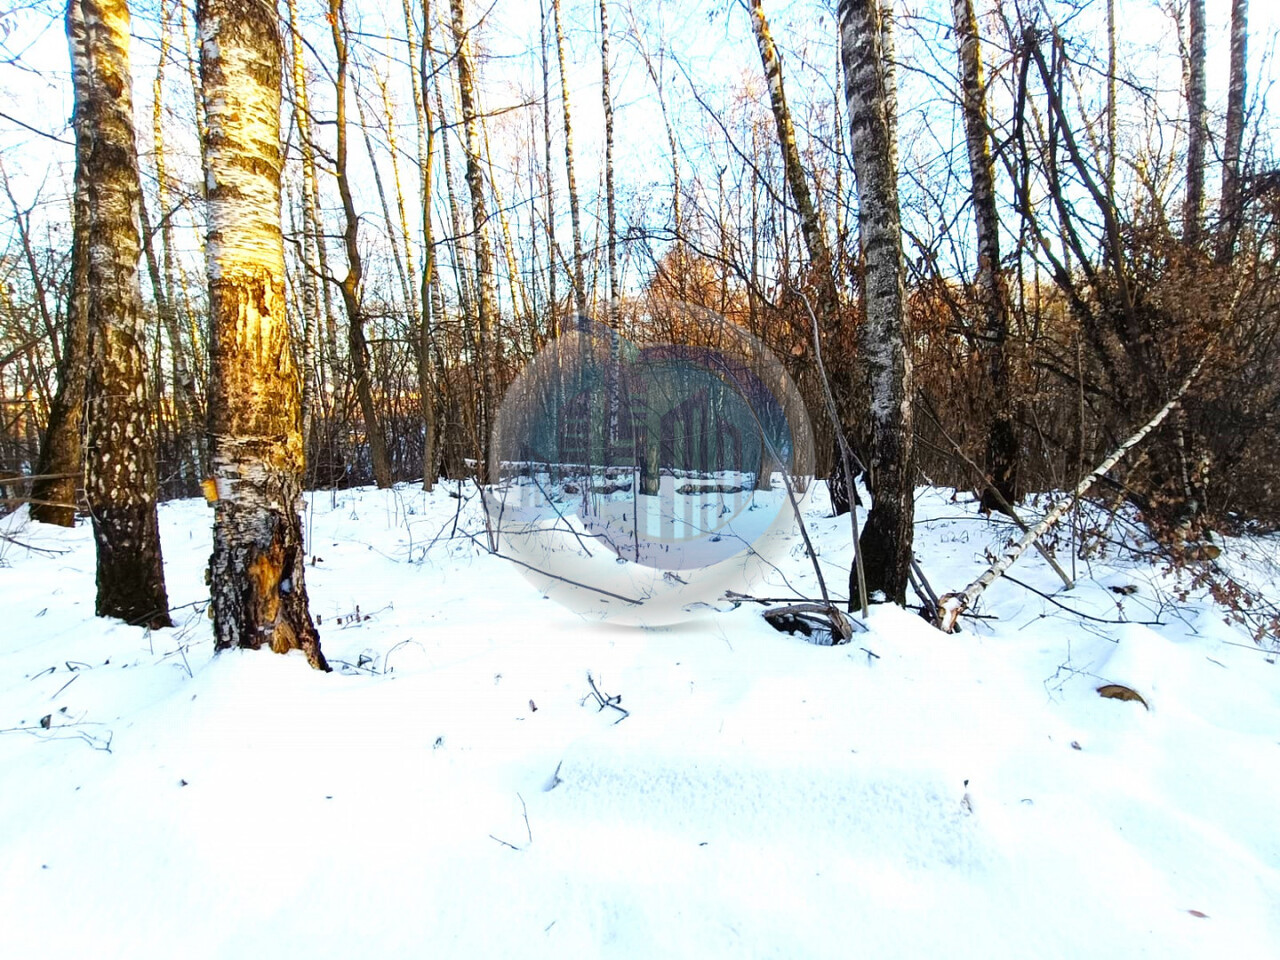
53,494
350,285
1198,125
486,296
828,301
1002,442
887,537
610,203
120,435
1233,146
257,589
575,215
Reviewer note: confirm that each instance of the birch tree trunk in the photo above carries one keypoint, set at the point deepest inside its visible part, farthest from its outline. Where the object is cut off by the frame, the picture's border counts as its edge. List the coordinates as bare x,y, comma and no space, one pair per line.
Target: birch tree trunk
575,216
610,205
257,589
310,273
1232,147
350,284
1198,123
426,158
887,536
1002,442
120,483
184,383
553,306
821,261
486,294
53,499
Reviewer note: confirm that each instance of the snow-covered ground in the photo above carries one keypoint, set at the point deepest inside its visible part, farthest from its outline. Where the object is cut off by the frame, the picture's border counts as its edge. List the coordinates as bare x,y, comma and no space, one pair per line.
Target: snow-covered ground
454,790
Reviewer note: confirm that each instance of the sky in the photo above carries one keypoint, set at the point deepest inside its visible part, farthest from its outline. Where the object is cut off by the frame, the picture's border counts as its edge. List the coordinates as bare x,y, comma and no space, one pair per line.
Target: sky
702,45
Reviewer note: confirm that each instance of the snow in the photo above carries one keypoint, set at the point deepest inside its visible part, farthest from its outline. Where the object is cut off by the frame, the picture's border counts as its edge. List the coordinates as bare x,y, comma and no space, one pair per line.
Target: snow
909,794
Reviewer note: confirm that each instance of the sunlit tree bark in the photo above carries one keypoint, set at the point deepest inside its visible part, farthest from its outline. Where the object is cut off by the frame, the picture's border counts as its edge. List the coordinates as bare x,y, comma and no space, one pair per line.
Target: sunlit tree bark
120,481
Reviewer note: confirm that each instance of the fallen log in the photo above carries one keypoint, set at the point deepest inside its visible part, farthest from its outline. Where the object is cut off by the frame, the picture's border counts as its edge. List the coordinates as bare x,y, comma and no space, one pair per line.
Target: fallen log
953,605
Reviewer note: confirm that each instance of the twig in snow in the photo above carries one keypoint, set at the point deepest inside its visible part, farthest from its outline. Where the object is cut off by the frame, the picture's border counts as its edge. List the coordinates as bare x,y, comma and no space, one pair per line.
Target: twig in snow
524,810
74,678
1080,613
606,701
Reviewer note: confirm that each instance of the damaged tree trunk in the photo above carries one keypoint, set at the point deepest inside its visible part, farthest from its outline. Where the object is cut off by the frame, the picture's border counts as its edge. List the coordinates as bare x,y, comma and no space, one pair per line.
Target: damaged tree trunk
256,585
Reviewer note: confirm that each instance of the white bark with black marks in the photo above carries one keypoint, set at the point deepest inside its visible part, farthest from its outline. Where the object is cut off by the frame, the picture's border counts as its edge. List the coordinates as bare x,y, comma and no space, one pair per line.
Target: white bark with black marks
887,536
120,482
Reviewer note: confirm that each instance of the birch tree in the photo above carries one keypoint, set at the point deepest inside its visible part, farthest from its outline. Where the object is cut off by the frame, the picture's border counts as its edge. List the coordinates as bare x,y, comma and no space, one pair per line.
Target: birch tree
1234,142
53,494
120,483
257,590
610,204
1002,443
828,306
1197,123
575,215
882,342
486,293
350,285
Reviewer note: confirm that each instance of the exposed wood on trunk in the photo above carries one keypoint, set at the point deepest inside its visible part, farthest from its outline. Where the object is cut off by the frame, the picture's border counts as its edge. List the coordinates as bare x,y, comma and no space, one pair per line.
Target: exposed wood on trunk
256,572
887,536
120,482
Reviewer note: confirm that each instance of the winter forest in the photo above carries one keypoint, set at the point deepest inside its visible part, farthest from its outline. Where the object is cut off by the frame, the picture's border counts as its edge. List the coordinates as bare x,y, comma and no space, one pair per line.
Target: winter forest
753,477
